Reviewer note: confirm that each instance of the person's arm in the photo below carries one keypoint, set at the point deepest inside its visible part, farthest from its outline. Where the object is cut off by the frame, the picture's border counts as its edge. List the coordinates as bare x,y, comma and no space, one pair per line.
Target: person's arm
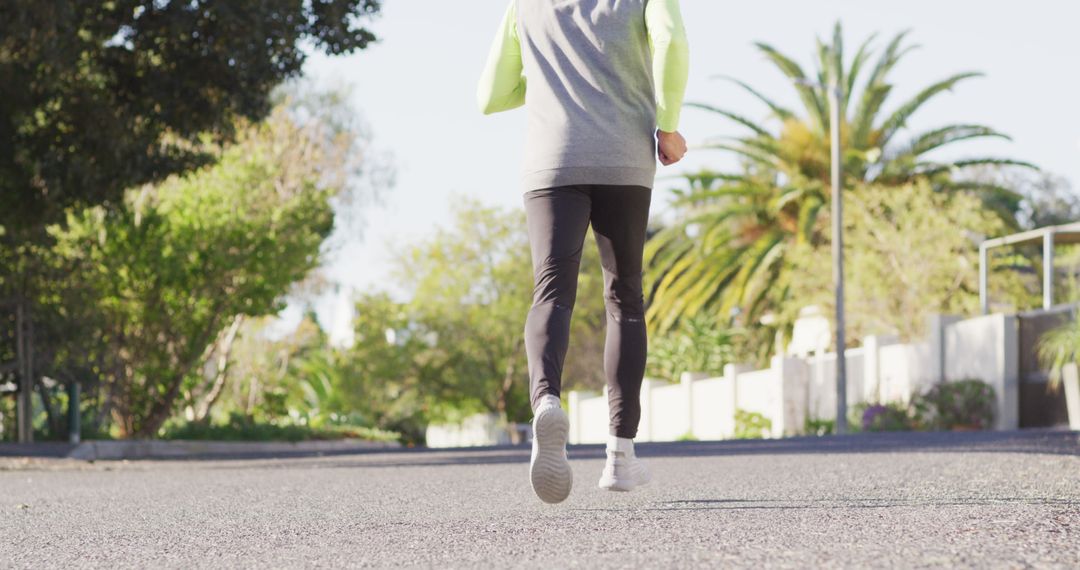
671,60
502,85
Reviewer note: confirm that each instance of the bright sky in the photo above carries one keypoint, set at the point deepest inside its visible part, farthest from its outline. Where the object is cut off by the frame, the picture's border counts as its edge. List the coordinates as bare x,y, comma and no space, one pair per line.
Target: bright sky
416,90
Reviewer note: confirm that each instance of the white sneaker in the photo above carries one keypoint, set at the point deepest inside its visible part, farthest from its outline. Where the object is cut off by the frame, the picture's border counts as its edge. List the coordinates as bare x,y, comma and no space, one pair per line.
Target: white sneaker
549,467
623,470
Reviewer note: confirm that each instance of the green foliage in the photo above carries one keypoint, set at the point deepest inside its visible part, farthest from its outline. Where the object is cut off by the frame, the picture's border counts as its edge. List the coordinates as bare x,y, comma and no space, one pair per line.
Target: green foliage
890,416
380,379
819,427
160,276
699,344
470,288
243,428
1059,347
736,233
103,96
909,252
470,292
751,425
966,404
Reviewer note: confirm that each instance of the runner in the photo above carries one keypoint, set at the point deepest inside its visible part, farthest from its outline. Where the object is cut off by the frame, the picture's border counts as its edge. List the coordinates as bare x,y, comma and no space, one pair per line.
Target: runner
603,83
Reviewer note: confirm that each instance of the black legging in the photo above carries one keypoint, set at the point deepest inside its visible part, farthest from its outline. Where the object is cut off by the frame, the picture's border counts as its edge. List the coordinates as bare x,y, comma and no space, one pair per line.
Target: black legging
558,219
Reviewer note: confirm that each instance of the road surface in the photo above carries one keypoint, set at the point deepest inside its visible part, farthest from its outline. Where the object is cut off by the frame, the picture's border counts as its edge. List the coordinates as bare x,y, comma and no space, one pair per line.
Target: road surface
884,501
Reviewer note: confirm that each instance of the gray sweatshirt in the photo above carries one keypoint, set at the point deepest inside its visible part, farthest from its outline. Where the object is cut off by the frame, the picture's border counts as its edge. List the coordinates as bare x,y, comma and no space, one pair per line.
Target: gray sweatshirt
590,97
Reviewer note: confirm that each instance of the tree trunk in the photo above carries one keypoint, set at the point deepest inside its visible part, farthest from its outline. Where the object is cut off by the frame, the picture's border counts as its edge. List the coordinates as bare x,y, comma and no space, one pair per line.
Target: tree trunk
224,349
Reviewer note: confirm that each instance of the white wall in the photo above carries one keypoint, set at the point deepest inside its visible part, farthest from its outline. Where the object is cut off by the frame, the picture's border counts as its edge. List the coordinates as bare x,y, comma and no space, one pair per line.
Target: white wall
714,408
986,348
476,430
799,387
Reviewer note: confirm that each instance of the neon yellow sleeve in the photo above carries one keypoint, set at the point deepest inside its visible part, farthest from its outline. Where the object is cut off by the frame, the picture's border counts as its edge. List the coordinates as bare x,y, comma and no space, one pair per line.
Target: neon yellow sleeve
502,85
671,60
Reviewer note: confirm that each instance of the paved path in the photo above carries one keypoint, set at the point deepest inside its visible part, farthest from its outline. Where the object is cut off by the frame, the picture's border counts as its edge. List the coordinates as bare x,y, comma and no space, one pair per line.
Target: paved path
910,500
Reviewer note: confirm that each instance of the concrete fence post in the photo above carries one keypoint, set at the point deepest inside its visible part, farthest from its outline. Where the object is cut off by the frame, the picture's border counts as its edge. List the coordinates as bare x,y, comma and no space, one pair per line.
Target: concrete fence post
1008,396
730,399
871,369
573,403
687,380
645,427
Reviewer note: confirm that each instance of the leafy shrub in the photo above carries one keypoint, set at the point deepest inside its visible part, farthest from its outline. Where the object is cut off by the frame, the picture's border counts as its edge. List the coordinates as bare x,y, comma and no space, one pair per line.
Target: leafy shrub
697,344
814,426
242,428
751,425
1059,347
890,416
964,404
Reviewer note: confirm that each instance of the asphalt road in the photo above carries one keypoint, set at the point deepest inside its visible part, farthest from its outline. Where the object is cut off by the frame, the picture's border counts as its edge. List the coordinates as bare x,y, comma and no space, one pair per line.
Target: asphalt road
904,501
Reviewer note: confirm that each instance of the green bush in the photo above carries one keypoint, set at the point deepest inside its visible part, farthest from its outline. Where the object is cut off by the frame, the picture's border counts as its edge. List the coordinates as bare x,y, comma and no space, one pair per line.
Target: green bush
688,436
242,428
751,425
890,416
950,405
814,426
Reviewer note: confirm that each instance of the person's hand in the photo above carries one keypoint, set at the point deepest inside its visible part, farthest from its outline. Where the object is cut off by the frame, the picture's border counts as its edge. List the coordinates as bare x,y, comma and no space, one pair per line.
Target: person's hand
670,148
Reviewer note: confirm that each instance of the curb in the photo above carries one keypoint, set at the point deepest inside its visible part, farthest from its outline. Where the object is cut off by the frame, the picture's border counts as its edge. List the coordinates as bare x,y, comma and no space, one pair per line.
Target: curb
180,449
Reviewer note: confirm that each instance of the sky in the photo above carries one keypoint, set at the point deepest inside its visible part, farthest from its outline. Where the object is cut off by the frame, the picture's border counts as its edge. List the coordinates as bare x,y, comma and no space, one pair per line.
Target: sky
416,88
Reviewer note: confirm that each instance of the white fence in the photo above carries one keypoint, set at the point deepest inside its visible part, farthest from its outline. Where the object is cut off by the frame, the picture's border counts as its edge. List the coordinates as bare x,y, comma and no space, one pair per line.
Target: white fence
797,388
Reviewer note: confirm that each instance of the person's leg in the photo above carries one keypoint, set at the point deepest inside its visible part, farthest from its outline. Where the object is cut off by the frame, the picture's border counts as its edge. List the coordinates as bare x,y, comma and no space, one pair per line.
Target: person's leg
557,220
620,215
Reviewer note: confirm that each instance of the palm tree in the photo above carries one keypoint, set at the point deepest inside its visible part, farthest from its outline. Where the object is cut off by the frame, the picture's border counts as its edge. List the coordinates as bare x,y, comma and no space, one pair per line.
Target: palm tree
725,254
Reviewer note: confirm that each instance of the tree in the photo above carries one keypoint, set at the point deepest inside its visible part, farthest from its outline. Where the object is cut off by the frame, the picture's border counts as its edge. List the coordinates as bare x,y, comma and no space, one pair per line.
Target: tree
470,291
103,96
165,273
728,250
909,252
382,379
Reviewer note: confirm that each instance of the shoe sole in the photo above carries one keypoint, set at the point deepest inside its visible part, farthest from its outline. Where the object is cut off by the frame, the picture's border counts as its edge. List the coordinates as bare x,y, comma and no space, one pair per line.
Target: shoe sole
550,472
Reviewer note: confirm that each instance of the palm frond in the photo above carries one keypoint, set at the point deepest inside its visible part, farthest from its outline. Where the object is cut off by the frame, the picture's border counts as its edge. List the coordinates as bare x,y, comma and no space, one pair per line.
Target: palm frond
763,160
889,58
862,125
808,215
861,57
1003,201
757,255
899,117
837,53
876,91
767,145
811,98
931,140
936,168
734,117
696,198
704,178
781,113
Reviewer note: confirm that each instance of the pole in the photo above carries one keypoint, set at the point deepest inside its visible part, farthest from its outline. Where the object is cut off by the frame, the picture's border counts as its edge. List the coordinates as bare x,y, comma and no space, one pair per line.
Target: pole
74,417
24,403
1048,270
984,270
838,257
